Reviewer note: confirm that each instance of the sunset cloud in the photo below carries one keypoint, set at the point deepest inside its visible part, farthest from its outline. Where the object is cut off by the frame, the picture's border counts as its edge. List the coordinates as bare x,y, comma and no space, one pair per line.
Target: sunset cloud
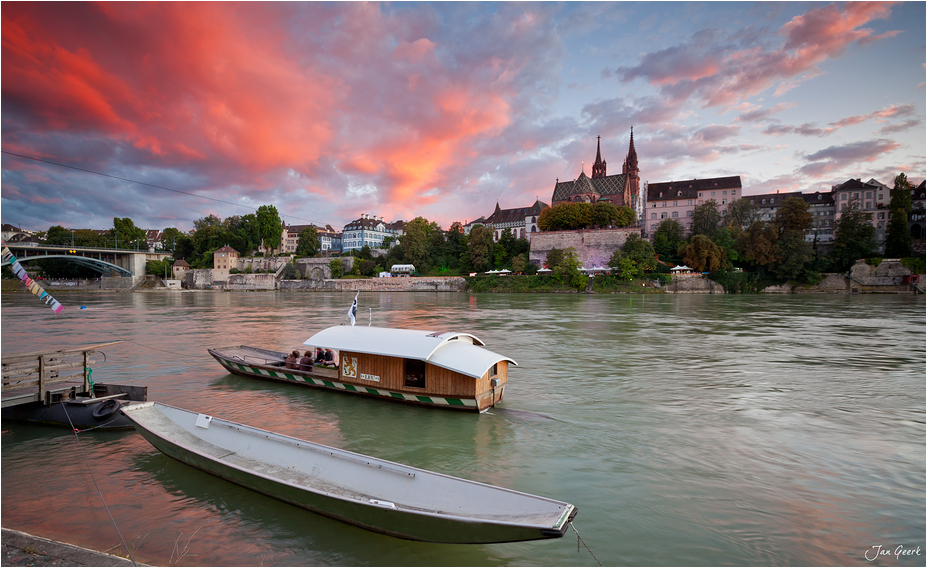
330,110
719,70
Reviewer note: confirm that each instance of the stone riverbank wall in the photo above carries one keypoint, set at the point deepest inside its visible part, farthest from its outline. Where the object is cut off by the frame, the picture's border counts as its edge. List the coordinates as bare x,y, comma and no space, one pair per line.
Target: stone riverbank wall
886,278
594,247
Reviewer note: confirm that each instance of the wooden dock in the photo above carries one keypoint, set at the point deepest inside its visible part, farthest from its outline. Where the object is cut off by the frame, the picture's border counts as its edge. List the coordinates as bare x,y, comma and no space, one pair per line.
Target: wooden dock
47,376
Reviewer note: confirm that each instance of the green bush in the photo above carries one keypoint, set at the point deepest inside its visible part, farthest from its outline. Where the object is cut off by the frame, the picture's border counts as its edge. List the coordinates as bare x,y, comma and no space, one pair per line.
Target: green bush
916,265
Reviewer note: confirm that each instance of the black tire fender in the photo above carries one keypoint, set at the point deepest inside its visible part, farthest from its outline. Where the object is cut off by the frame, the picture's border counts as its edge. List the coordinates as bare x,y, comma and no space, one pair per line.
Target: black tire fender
106,409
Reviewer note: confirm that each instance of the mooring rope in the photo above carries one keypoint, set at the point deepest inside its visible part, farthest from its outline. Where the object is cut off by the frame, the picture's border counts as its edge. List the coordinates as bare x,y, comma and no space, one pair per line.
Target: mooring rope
87,463
579,539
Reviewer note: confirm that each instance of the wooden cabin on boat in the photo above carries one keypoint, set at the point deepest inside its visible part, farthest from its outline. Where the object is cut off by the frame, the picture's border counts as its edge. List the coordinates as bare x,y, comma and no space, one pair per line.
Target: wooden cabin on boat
441,369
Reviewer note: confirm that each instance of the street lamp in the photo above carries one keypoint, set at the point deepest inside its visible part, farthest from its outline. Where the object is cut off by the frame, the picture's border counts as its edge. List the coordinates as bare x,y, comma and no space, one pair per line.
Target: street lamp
72,238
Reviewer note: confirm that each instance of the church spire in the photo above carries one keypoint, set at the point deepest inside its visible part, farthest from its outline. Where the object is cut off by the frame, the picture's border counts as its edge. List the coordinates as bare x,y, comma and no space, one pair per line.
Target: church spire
632,153
598,168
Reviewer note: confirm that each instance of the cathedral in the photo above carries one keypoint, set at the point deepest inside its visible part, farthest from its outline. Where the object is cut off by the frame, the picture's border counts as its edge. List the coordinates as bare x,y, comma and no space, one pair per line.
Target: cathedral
620,189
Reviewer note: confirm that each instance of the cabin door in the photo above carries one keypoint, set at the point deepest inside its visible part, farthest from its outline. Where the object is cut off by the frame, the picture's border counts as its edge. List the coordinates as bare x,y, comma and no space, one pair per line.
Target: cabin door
414,373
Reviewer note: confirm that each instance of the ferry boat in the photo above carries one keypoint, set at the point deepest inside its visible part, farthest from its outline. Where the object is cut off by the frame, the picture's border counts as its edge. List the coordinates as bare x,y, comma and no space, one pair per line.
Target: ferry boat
441,369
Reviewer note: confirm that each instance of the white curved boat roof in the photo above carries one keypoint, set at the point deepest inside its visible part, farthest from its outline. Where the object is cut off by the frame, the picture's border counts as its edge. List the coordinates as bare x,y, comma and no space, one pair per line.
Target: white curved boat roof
460,352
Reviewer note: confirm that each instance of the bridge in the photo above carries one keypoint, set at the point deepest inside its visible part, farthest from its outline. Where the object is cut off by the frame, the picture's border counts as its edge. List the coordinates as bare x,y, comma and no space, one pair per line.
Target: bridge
106,261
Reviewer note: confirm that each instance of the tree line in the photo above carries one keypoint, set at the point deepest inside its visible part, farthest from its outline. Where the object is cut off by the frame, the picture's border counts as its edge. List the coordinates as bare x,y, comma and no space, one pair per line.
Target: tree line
778,249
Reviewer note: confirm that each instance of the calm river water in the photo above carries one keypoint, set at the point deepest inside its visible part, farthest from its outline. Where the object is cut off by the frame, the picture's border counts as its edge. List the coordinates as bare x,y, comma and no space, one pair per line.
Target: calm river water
688,430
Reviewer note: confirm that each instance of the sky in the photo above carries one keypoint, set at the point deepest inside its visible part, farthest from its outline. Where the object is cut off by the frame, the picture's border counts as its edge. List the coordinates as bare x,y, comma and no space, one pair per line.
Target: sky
328,111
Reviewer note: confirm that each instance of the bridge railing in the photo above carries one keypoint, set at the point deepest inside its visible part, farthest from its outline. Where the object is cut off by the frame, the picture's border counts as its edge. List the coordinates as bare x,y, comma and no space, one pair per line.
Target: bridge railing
84,247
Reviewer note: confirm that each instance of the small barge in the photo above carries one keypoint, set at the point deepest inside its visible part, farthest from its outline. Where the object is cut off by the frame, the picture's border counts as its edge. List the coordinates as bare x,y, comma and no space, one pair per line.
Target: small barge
437,369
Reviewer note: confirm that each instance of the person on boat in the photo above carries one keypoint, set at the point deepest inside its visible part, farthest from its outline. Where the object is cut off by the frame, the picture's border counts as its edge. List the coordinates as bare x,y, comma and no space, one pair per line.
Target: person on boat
319,355
329,360
292,361
305,364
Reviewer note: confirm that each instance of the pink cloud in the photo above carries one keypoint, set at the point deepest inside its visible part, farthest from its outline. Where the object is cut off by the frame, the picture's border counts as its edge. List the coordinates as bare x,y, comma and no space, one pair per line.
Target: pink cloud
835,158
718,72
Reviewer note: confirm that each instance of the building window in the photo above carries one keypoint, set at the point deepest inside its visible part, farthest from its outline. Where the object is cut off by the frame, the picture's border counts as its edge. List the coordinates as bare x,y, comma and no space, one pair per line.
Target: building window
662,215
724,193
690,202
675,214
733,192
700,194
675,204
868,205
653,215
688,213
712,194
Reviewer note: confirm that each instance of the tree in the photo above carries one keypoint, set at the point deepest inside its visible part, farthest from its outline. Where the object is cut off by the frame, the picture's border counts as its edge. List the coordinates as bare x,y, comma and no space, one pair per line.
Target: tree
566,216
368,267
456,244
207,221
626,217
554,258
418,242
667,238
793,219
639,252
308,243
481,248
793,215
519,263
337,269
854,237
898,237
567,270
706,219
702,254
727,240
169,238
269,226
622,266
757,245
160,268
741,213
795,257
58,235
125,232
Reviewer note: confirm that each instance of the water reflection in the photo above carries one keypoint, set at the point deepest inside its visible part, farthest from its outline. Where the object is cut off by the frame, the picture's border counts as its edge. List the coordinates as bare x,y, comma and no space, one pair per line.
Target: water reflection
688,430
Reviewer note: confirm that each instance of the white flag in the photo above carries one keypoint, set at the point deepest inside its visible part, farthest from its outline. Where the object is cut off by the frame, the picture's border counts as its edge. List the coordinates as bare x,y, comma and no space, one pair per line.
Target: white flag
352,313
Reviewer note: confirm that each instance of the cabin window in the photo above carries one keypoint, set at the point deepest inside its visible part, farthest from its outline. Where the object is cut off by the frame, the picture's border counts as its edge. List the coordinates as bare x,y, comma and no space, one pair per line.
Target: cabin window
495,370
414,373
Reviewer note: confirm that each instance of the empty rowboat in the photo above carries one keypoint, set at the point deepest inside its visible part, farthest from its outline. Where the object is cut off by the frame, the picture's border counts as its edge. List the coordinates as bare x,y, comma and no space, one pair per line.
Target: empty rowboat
375,494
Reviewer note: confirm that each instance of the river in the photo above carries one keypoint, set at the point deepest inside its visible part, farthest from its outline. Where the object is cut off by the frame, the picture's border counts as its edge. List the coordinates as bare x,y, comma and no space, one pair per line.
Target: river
695,430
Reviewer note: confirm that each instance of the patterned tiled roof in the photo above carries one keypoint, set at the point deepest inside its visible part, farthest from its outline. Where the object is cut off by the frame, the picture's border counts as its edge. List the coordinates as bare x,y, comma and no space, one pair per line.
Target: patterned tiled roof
608,185
226,248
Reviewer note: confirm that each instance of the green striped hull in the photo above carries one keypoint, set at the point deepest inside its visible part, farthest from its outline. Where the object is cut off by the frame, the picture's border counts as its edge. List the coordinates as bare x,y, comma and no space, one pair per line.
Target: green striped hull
282,375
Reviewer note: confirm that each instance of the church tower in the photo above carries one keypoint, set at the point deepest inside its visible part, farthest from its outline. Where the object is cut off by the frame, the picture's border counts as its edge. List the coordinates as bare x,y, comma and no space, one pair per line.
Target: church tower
598,168
632,187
